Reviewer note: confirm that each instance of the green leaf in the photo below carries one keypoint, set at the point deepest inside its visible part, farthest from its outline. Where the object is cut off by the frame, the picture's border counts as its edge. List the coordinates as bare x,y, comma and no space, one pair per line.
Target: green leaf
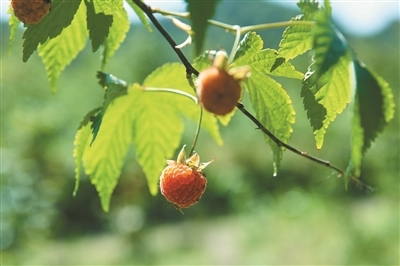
52,25
107,7
117,35
264,61
225,119
103,160
157,133
309,8
373,109
98,25
249,45
200,12
273,109
204,60
96,120
142,16
326,96
174,76
58,52
328,7
329,43
114,88
88,117
270,101
13,22
296,40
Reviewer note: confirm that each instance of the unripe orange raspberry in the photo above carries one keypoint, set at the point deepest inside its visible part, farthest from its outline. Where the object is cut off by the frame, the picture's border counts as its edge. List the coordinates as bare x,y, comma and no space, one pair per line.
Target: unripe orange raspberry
218,89
182,183
30,11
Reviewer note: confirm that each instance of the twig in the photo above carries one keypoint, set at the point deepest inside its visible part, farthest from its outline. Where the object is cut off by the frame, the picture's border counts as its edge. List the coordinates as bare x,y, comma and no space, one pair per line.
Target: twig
191,70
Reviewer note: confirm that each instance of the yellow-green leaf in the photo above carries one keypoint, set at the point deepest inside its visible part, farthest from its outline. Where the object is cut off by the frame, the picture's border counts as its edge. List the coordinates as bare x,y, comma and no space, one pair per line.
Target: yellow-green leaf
373,109
273,109
58,52
107,7
103,160
13,22
157,131
116,36
326,96
98,24
52,25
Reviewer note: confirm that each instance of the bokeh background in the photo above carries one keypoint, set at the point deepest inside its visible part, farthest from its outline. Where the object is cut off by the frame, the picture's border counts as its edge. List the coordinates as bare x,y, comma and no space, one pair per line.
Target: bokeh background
246,216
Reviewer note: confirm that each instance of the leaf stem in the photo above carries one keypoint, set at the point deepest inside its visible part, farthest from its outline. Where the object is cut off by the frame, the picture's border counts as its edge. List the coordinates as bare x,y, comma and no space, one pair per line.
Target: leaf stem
175,91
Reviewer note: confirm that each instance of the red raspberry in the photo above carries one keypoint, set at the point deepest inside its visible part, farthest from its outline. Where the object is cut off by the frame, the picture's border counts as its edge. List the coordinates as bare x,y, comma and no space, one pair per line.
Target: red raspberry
30,11
218,89
182,182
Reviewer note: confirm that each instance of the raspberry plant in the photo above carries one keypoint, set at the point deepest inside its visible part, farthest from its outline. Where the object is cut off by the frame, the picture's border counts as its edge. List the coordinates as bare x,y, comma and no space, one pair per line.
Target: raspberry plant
149,115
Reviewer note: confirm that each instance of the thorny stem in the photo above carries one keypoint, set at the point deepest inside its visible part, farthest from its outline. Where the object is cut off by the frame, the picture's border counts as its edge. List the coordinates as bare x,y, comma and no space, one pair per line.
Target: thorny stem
191,70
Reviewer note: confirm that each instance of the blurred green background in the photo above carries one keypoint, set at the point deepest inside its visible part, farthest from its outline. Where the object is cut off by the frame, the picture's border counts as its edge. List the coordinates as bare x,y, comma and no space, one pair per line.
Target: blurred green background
246,216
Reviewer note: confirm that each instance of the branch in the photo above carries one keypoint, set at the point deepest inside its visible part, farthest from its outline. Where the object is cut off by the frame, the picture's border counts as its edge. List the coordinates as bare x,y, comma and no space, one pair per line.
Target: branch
191,70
